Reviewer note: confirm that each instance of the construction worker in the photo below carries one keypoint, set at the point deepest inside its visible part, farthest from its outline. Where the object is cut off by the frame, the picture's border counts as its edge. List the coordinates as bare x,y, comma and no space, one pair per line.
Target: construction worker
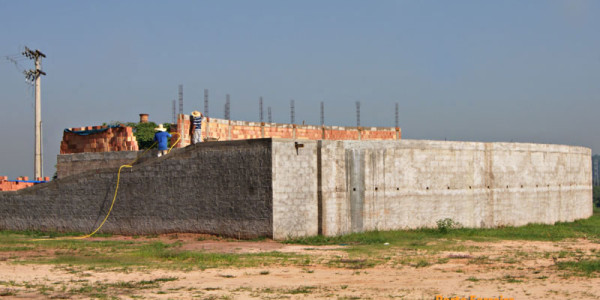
197,126
162,137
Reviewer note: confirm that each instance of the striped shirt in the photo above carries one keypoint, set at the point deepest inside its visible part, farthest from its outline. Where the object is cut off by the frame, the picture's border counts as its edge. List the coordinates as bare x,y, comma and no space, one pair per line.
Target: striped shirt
197,122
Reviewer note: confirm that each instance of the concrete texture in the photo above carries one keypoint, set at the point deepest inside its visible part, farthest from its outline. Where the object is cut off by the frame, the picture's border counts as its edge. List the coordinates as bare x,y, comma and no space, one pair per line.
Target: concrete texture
71,164
288,188
413,183
295,205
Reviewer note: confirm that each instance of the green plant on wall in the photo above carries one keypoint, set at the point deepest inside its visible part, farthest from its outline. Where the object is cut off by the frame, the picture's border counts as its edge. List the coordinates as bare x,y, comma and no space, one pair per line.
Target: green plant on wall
596,196
144,132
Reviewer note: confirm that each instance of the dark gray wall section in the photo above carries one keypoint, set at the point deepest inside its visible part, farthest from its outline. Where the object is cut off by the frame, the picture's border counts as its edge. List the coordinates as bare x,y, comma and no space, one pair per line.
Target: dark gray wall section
71,164
220,188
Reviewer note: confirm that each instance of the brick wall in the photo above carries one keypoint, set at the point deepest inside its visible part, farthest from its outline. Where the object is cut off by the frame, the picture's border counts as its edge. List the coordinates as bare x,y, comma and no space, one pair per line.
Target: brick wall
112,139
6,185
226,130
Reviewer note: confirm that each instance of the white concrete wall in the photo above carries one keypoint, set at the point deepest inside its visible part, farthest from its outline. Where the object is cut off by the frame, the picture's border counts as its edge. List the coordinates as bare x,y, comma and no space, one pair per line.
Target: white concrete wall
295,206
368,185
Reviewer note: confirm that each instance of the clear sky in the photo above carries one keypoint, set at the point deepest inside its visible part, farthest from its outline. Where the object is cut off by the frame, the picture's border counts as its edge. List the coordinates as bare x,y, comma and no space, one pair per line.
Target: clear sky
521,71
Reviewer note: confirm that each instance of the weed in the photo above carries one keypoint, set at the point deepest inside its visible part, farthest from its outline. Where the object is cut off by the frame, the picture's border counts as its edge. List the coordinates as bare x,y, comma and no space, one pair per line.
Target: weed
7,292
445,225
422,263
582,267
301,290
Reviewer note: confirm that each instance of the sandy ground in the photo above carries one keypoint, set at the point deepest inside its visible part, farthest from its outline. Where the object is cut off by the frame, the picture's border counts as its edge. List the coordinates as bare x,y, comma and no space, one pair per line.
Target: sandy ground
508,269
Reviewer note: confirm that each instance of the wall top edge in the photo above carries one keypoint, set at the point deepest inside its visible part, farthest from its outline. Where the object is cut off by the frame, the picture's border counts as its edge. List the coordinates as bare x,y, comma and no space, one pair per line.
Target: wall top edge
298,126
463,145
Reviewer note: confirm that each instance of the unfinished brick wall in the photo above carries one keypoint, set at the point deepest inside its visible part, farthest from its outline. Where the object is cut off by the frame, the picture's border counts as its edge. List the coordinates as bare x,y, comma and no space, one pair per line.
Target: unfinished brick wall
226,130
15,185
112,139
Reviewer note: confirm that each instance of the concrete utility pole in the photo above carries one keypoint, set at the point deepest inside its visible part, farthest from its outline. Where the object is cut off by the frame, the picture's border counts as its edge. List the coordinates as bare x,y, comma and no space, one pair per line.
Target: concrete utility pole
34,75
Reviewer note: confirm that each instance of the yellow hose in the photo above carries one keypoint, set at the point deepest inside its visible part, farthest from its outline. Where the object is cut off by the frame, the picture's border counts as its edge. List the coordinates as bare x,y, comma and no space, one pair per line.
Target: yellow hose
115,196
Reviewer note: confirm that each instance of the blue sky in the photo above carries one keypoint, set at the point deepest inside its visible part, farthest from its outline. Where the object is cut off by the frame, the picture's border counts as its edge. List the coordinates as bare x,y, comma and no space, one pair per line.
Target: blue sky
522,71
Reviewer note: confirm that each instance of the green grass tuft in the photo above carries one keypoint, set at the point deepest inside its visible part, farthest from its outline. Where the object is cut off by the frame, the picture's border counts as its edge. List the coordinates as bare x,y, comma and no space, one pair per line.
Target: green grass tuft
582,267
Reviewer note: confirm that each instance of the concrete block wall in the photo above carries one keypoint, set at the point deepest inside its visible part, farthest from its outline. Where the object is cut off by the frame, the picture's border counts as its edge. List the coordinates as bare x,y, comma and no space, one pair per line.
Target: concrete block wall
76,163
112,139
295,187
411,184
218,188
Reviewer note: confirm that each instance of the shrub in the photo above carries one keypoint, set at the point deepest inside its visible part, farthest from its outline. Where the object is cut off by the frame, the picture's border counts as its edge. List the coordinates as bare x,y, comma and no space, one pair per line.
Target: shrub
444,225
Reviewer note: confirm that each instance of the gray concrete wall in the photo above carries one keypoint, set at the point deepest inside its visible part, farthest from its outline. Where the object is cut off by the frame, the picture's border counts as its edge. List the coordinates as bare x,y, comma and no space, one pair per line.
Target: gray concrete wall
272,188
295,205
413,183
220,188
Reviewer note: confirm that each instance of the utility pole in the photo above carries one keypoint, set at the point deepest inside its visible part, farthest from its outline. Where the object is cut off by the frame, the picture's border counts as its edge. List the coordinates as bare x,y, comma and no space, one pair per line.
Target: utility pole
206,102
34,75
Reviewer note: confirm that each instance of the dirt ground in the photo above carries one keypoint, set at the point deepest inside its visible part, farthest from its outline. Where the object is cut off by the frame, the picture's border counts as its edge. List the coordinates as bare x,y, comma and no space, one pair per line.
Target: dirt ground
506,269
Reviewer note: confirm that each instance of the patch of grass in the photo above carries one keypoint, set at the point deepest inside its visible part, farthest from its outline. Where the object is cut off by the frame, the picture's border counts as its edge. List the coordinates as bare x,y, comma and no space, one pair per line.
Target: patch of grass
582,267
15,248
301,290
511,279
422,263
7,292
119,254
419,238
352,263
